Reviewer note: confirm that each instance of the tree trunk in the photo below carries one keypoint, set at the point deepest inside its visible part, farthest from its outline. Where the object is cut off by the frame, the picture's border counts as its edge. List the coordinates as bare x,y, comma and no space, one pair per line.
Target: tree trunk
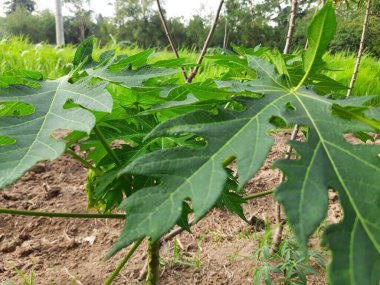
60,38
361,49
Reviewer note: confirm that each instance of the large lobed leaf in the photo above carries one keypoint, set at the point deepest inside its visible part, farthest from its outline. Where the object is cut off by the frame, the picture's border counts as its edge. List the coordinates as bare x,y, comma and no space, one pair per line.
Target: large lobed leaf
33,133
325,161
27,135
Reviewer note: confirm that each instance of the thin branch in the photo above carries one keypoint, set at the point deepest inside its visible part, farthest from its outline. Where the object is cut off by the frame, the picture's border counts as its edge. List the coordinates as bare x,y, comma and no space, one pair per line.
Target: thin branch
292,24
258,195
61,215
277,236
361,49
206,44
169,36
116,272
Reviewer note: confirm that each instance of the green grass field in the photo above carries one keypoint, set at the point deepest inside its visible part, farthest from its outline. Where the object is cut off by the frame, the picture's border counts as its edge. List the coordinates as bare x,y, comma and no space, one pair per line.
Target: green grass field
19,53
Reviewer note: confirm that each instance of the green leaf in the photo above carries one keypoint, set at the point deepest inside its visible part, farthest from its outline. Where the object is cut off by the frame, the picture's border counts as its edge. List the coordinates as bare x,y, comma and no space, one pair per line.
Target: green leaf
319,34
84,52
326,160
130,78
34,132
355,253
136,60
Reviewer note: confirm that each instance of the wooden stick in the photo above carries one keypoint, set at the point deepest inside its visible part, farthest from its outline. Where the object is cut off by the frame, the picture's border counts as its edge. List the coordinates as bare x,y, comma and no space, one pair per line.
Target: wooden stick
206,44
292,24
169,36
360,51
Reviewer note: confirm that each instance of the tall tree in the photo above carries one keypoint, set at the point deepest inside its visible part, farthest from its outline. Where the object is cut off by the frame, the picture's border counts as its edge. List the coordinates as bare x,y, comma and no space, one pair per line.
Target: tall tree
82,16
10,6
127,10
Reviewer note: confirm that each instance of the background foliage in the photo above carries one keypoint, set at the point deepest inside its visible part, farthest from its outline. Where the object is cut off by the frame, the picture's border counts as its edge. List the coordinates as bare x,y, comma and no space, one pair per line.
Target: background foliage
136,22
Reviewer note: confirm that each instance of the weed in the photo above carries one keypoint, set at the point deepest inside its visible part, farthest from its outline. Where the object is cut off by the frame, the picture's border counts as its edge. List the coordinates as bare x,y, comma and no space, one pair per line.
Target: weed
290,265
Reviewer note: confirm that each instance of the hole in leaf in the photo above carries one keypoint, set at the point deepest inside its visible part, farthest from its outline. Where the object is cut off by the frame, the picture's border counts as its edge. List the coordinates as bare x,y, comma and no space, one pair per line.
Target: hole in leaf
6,140
334,212
290,106
15,109
60,133
362,138
277,121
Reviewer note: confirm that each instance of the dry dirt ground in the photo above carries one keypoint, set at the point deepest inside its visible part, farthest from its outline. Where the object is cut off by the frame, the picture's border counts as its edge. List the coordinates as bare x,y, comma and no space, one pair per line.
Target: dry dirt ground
71,251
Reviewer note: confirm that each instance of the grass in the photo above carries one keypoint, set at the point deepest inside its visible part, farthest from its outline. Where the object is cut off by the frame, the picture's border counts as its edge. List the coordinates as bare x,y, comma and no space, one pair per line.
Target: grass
18,53
342,65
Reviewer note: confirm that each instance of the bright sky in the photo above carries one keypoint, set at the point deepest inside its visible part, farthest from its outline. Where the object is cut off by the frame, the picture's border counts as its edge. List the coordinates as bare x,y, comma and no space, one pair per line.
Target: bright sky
174,8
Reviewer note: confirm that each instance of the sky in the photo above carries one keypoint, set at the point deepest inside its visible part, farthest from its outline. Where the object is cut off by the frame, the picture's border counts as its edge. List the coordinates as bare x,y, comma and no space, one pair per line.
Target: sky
174,8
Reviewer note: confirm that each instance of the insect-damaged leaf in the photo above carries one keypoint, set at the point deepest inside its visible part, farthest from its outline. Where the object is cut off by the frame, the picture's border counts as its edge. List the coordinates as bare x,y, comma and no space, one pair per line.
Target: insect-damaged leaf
33,133
326,161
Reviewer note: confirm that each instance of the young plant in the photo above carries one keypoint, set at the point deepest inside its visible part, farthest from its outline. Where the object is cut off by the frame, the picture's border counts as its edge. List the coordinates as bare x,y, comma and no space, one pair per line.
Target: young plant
157,159
287,266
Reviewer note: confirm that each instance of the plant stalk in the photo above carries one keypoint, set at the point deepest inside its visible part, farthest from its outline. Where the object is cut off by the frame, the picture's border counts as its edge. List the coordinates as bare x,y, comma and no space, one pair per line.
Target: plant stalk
258,195
116,272
361,49
83,161
105,144
206,44
153,273
61,215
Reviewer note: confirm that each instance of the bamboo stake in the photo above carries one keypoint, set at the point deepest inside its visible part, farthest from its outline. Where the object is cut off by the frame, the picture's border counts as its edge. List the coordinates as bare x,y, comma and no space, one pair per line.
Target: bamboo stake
169,36
361,49
292,24
206,44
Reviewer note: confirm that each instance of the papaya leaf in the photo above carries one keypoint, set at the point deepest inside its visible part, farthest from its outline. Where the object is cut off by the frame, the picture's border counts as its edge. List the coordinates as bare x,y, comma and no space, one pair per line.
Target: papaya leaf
128,77
326,161
319,34
136,60
84,52
34,132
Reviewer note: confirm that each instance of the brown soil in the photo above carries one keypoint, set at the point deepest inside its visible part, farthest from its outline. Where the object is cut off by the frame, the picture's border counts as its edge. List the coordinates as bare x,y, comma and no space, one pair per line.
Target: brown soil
71,251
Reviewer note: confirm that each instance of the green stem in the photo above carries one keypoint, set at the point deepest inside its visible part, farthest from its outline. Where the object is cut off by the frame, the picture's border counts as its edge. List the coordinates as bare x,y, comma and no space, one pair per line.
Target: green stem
110,151
258,195
83,161
61,215
123,262
105,144
154,262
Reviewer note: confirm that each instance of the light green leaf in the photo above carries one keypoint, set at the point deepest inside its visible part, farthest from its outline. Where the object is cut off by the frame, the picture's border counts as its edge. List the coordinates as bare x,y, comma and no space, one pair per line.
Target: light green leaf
34,132
84,52
319,34
130,78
